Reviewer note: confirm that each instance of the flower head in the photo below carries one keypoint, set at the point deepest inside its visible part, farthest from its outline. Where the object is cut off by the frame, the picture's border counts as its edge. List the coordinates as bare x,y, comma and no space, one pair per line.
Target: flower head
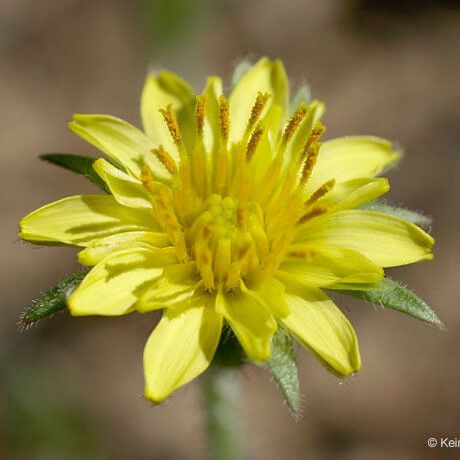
229,210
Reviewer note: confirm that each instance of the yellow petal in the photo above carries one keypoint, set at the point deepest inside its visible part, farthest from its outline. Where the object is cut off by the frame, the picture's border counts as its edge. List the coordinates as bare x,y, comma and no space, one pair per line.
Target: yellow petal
181,347
385,240
320,266
322,328
160,90
354,193
271,292
267,77
111,287
80,219
99,249
126,190
122,142
177,283
352,157
250,320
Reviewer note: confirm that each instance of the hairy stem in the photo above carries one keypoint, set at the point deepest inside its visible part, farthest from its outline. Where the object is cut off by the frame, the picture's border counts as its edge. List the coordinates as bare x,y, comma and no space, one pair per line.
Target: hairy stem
221,394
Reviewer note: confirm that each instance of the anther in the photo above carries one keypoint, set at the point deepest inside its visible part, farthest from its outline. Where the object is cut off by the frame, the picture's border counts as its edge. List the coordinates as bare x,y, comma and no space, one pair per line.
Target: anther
315,135
254,142
312,157
298,254
294,123
171,121
199,113
315,212
147,178
166,159
321,191
241,217
258,107
224,117
306,254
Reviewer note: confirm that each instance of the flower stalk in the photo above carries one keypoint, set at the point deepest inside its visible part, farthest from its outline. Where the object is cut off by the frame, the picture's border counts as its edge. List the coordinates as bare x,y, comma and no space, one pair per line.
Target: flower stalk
221,399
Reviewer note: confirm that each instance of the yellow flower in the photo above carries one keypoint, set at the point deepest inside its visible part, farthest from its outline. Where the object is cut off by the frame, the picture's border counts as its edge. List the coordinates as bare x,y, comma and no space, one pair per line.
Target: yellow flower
228,211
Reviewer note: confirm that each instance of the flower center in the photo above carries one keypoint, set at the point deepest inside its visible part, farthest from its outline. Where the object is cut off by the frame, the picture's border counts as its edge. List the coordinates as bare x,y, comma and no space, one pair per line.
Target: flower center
235,209
227,240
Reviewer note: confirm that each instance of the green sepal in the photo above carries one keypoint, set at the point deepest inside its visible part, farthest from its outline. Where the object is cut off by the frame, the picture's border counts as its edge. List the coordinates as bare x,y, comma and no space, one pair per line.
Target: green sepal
240,69
303,94
53,300
402,213
282,365
229,352
77,163
394,295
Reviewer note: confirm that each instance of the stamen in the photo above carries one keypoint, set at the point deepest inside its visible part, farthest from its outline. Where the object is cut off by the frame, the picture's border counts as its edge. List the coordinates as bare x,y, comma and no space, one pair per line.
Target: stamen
233,275
241,217
204,264
165,214
306,254
315,135
254,142
315,212
199,114
223,258
299,254
294,123
321,191
224,117
258,107
147,178
312,157
171,121
166,159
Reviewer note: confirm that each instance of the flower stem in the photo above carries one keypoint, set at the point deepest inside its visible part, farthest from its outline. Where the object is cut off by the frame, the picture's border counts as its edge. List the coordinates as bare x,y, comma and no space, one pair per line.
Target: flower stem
221,394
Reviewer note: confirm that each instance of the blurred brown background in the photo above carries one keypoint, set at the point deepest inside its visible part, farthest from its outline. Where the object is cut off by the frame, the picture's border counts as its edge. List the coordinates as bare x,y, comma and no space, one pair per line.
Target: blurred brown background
72,388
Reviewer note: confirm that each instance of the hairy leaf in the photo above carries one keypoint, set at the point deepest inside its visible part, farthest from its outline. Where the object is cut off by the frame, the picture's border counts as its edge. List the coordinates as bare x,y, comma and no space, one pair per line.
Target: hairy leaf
283,367
53,300
76,163
391,294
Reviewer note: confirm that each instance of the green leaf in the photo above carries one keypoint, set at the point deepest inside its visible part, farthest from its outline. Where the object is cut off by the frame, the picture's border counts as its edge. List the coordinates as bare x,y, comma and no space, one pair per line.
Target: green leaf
76,163
406,214
283,367
303,94
53,300
240,69
391,294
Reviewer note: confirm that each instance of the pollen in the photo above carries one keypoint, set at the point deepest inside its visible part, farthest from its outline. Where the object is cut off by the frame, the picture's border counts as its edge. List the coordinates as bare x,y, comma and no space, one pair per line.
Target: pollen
294,123
315,135
314,212
254,142
199,114
224,117
321,191
170,118
312,157
257,109
165,158
147,178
